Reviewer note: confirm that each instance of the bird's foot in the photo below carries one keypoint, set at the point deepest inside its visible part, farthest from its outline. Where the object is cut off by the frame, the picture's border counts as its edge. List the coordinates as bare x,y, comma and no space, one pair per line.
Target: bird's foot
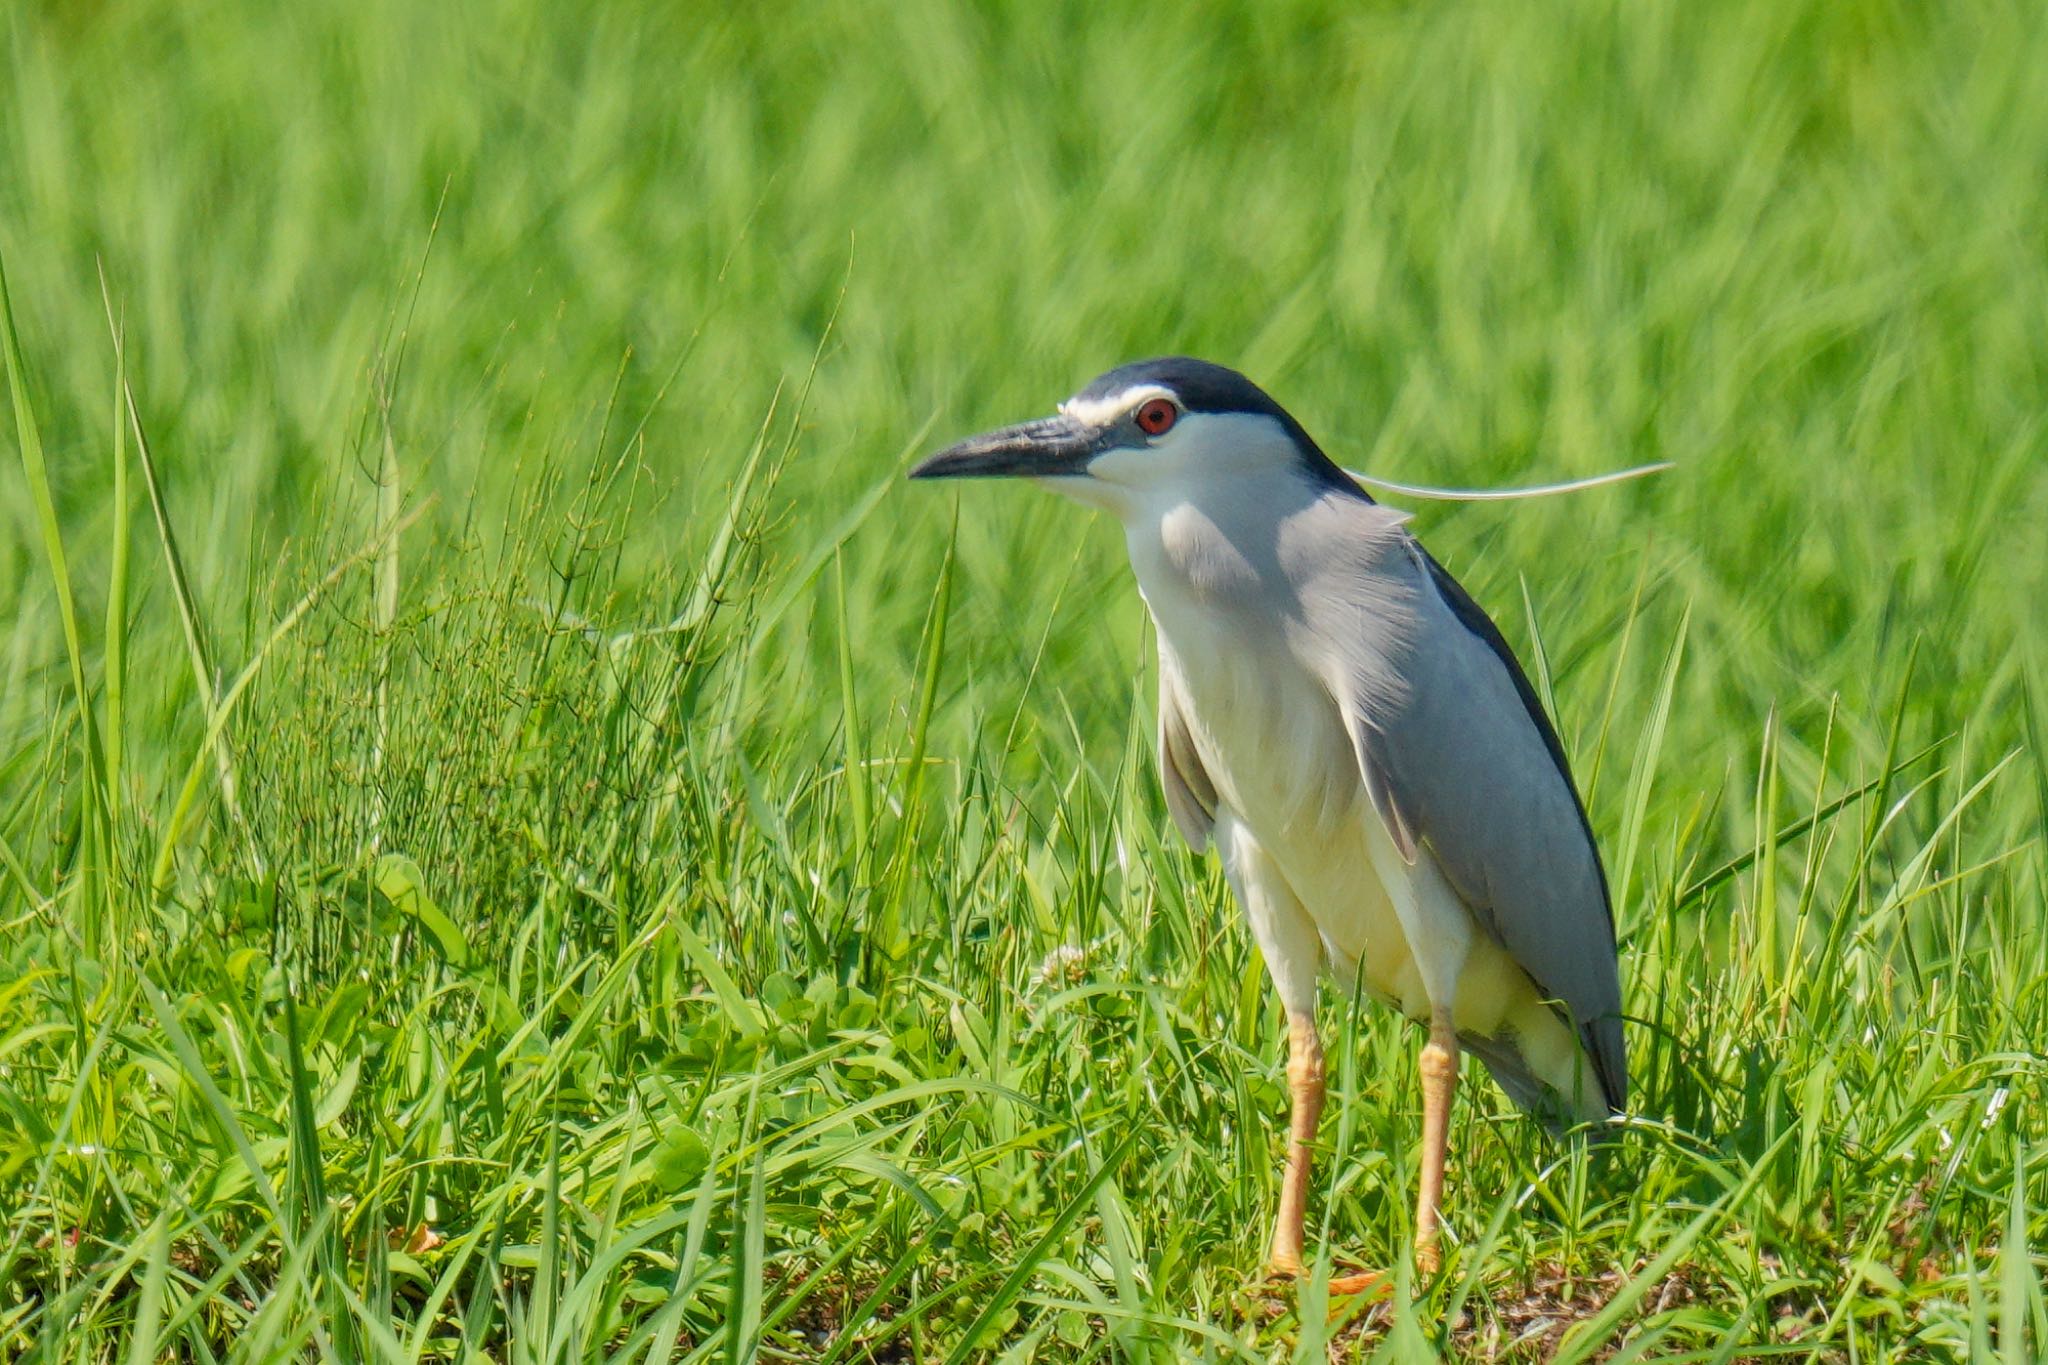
1282,1268
1365,1284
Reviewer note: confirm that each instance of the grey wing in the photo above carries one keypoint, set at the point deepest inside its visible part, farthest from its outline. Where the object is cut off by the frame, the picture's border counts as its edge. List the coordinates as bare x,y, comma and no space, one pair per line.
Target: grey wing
1466,762
1190,794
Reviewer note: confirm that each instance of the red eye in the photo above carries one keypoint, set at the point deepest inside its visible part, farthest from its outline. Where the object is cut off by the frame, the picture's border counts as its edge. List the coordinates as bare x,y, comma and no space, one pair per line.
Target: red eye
1156,416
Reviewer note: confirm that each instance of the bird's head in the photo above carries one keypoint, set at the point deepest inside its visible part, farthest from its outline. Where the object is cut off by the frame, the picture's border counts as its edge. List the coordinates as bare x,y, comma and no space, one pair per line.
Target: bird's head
1150,431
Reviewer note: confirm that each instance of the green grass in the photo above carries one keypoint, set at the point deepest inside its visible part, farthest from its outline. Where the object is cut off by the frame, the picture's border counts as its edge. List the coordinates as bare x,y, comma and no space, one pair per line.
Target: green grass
523,840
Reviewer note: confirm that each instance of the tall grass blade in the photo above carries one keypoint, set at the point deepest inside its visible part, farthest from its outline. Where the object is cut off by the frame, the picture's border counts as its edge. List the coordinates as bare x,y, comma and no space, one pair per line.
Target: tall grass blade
1028,1264
188,794
1587,1337
929,667
205,683
749,1242
856,771
1643,772
149,1303
2020,1294
28,436
116,667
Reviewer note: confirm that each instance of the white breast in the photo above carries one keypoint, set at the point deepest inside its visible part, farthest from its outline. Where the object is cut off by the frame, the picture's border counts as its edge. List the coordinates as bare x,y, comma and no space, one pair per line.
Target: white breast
1268,732
1271,738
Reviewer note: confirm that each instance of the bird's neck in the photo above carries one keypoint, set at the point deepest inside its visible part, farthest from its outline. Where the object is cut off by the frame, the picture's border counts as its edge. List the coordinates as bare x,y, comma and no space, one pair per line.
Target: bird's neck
1218,540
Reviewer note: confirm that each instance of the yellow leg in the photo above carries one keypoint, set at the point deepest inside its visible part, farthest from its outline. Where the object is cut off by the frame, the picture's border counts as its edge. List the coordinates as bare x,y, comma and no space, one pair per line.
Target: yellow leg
1305,1109
1439,1088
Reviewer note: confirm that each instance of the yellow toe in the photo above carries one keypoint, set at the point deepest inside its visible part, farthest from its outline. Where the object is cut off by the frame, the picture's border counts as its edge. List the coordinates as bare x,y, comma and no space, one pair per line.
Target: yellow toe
1366,1283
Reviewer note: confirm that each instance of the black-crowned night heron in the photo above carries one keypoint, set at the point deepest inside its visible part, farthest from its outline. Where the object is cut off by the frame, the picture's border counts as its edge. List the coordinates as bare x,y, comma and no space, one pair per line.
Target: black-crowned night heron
1351,730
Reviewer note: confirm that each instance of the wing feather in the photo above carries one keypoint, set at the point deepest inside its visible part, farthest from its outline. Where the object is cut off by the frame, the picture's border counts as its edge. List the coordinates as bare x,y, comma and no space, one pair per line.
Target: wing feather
1467,763
1374,767
1190,792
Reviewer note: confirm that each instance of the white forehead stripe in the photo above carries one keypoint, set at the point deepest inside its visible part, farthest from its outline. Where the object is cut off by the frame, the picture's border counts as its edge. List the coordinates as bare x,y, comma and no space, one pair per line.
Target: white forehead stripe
1096,411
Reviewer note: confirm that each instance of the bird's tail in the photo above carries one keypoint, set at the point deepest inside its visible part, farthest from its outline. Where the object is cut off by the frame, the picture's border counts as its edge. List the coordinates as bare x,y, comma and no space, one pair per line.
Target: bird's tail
1555,1109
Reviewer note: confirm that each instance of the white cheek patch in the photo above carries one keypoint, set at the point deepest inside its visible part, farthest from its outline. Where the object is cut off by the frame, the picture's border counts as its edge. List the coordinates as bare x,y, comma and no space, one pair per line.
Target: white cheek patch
1100,411
1202,447
1124,466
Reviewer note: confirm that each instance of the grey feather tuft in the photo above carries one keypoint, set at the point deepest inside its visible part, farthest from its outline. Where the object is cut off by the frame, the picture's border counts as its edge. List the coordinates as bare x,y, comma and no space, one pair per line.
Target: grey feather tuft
1190,793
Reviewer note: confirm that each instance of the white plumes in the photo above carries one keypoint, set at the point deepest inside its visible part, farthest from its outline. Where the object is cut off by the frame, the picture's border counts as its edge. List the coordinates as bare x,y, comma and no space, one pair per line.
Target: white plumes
1539,490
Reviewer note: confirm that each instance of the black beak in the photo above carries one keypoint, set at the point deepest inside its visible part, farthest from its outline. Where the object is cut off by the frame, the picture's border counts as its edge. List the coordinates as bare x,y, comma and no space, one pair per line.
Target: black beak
1046,449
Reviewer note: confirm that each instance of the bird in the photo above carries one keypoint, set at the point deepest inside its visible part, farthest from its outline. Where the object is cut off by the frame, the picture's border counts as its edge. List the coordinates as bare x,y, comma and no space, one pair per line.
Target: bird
1346,725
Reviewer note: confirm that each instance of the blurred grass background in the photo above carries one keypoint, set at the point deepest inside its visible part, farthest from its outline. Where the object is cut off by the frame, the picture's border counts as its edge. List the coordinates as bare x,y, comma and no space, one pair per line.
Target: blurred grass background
665,842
